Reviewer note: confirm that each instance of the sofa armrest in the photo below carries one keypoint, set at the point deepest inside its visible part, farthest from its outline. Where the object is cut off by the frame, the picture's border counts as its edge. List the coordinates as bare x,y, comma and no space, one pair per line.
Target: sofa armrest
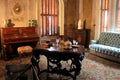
94,41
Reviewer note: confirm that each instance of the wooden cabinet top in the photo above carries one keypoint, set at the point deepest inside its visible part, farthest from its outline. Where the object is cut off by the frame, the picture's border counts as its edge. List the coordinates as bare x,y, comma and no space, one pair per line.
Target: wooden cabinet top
19,34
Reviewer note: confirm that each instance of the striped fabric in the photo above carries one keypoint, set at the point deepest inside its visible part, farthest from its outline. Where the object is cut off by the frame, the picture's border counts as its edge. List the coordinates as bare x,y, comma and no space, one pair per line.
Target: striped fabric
108,43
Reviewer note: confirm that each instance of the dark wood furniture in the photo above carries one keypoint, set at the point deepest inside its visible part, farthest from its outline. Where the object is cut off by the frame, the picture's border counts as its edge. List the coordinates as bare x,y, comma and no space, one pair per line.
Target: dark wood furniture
84,34
55,56
14,37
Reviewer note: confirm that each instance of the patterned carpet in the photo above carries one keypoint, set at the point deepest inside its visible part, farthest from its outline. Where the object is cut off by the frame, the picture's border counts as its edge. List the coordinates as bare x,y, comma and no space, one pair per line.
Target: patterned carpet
93,68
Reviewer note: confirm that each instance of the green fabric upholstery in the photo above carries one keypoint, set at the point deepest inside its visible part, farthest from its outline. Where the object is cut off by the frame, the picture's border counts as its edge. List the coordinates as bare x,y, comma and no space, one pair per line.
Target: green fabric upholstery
108,43
109,39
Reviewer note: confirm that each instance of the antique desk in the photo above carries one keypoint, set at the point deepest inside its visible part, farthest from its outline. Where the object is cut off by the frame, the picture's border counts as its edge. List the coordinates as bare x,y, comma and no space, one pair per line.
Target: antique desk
57,55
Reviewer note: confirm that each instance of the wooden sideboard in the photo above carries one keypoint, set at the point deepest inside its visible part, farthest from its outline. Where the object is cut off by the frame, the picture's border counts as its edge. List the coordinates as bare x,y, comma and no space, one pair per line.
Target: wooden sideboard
84,35
12,38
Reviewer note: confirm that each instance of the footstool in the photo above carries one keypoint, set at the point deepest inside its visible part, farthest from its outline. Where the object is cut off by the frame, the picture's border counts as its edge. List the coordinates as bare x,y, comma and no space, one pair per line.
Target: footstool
24,49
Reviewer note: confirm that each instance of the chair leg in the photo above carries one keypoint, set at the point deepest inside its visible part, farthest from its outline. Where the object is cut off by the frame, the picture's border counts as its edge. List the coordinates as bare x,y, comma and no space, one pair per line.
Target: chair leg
20,56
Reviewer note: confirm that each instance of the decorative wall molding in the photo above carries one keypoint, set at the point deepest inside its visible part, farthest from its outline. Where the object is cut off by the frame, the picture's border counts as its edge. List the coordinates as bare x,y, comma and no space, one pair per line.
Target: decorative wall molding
18,11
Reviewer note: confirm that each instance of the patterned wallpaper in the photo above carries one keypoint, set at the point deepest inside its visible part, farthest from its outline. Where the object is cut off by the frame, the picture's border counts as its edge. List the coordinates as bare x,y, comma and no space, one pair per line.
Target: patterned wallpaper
19,11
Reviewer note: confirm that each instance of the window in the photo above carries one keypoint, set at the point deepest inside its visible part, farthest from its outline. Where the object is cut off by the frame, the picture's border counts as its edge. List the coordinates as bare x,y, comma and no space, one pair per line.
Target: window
118,17
49,17
104,15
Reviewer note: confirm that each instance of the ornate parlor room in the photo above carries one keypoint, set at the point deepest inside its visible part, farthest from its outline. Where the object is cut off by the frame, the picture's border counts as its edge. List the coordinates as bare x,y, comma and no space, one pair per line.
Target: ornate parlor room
59,39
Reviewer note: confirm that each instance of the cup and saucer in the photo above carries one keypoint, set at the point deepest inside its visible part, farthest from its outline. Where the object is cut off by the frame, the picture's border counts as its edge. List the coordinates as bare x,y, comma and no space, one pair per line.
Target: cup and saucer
75,44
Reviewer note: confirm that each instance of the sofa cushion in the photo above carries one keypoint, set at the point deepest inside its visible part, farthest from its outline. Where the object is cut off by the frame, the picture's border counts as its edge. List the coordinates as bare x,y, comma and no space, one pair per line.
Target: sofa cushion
108,50
109,39
102,38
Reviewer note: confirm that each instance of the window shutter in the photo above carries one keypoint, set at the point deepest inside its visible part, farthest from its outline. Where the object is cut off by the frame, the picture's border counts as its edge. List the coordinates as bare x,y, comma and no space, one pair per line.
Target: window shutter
49,15
118,17
104,15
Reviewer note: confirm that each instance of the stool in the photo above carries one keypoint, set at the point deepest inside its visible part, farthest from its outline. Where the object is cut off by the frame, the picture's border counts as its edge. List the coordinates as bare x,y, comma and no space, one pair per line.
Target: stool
24,49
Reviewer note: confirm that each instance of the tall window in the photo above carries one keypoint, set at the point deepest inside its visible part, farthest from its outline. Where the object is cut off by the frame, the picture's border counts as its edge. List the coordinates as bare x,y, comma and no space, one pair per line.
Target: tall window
118,17
49,17
104,15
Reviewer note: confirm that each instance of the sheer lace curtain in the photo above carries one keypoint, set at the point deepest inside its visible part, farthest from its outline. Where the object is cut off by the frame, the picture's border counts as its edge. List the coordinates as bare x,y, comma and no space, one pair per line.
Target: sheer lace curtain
118,16
104,15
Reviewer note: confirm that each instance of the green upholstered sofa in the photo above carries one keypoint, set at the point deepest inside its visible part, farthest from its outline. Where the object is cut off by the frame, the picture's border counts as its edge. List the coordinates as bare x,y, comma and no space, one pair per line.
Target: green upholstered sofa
107,46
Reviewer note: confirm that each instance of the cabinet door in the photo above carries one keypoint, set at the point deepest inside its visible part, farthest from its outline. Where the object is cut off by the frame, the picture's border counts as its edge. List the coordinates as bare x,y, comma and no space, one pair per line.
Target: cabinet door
81,37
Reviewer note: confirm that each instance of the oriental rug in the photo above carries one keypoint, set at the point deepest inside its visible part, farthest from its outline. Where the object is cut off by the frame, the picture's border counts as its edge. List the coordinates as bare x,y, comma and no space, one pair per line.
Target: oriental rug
93,68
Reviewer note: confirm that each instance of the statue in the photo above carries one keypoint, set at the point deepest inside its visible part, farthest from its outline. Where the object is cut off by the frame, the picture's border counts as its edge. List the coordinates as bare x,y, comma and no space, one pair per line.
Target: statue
10,24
